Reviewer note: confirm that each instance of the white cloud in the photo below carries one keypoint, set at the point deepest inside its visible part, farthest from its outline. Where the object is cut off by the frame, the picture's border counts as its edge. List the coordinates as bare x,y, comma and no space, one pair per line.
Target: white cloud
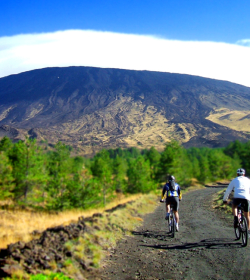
114,50
244,42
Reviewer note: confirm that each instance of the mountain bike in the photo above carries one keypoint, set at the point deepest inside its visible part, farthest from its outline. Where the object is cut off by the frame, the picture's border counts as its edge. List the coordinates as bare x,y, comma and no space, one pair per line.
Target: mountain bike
172,222
241,230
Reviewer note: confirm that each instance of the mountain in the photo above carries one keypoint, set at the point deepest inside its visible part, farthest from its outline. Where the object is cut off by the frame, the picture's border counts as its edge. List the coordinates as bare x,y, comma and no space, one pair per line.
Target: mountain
93,108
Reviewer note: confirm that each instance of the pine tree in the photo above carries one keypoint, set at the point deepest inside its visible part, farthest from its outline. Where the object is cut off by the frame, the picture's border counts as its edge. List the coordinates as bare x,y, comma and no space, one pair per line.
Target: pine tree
6,179
102,170
154,158
29,170
139,180
120,167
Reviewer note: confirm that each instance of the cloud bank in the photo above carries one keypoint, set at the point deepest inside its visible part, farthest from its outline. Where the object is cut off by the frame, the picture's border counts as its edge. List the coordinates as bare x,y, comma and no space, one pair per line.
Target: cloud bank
220,61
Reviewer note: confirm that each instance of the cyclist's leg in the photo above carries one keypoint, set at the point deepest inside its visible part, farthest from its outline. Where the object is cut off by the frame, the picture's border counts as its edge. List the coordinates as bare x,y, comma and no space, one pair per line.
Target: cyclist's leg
176,214
234,209
167,208
176,208
236,202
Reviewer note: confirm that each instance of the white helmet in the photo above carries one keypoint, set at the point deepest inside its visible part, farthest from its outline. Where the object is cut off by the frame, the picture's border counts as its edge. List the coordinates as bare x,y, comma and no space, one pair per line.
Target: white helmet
241,171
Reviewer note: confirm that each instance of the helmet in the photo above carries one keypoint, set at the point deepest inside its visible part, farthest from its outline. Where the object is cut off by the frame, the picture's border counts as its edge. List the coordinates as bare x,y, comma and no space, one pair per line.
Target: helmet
171,178
241,171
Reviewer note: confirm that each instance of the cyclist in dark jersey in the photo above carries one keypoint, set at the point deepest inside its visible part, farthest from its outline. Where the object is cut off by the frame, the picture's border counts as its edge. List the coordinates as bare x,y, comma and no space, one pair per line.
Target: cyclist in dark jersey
173,196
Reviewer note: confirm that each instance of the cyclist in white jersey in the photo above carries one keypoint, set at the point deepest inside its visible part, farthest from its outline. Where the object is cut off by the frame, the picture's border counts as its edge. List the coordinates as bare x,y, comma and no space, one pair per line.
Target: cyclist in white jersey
241,187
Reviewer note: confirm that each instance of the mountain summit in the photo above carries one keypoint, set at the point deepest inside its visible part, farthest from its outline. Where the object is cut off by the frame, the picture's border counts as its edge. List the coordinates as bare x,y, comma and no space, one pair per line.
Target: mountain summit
93,108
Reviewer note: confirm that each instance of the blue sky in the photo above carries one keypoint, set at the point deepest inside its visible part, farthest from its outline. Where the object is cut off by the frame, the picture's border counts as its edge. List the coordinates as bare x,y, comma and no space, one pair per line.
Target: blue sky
220,21
190,30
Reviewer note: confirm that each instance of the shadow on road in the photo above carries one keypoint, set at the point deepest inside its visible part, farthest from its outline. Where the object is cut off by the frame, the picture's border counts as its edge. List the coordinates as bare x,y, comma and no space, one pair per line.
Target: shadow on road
216,243
212,243
160,235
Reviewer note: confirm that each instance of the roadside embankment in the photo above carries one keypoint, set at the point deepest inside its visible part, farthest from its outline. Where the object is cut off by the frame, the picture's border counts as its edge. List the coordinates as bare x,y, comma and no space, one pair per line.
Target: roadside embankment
76,249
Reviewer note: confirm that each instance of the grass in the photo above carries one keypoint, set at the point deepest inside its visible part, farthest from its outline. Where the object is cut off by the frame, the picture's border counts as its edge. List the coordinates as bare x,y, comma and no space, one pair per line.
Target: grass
101,237
103,234
218,202
51,276
18,225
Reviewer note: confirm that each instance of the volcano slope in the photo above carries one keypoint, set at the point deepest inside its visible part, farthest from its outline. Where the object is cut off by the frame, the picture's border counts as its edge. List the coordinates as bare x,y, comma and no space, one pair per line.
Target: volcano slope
204,248
94,108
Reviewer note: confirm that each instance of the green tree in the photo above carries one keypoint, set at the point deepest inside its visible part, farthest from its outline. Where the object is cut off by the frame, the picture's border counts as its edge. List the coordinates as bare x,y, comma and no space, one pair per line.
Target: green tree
220,165
174,160
60,168
139,176
6,179
29,169
154,158
120,167
81,191
102,169
5,144
205,174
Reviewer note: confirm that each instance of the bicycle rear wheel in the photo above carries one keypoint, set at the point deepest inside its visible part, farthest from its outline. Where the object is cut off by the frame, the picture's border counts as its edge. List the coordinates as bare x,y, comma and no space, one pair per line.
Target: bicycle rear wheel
170,224
237,232
173,227
244,232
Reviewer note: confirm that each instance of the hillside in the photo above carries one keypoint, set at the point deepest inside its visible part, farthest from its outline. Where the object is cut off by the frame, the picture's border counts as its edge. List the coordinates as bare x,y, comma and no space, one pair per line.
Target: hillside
92,108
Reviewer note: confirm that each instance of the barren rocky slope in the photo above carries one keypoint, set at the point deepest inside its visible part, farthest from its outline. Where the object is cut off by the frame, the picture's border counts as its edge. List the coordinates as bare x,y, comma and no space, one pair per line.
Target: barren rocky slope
91,108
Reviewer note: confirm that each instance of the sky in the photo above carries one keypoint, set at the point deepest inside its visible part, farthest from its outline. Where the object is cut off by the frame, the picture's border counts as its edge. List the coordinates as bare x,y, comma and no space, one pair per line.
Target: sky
204,38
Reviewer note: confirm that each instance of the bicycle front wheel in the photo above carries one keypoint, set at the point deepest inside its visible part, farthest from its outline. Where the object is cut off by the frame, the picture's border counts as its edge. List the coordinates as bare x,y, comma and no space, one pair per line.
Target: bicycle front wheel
244,232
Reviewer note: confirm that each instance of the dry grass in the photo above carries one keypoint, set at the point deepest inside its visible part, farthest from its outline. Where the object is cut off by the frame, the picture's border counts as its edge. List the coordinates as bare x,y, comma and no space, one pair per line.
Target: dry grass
17,225
237,120
218,202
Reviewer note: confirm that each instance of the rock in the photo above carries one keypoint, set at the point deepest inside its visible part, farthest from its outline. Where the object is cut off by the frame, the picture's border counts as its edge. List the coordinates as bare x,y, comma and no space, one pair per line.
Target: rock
10,269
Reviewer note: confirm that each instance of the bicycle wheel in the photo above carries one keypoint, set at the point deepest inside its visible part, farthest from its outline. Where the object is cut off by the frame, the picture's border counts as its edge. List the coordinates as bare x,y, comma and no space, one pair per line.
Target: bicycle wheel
170,222
173,227
244,232
237,231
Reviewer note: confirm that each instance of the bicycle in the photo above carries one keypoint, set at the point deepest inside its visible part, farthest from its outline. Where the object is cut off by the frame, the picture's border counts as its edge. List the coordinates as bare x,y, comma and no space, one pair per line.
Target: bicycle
241,231
172,222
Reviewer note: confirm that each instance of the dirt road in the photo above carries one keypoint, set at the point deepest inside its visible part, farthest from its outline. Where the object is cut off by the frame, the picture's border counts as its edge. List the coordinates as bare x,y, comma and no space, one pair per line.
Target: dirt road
204,248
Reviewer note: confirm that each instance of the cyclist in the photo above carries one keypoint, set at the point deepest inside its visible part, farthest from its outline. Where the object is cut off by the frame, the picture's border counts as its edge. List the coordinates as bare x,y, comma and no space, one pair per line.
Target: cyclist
173,196
241,187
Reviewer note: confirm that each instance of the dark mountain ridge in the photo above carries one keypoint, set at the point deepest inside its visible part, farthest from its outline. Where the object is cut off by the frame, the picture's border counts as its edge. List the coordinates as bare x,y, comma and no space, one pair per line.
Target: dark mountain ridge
96,107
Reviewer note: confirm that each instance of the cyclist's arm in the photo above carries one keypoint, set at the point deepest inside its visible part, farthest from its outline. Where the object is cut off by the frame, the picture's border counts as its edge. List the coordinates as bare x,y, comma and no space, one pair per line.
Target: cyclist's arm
228,191
179,193
163,192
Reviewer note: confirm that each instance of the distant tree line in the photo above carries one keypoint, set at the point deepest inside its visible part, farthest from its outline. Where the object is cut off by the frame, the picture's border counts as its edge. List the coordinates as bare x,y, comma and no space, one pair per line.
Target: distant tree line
52,179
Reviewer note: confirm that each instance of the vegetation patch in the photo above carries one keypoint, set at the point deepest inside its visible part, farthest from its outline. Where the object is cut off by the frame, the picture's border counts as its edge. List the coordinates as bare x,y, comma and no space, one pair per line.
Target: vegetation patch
76,249
218,202
51,276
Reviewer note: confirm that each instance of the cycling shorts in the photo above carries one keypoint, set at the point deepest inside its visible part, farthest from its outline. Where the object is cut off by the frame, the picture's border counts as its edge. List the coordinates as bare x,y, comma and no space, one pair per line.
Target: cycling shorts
244,202
174,200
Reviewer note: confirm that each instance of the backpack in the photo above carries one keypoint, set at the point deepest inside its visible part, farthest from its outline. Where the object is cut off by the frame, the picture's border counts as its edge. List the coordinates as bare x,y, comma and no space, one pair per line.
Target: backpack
172,185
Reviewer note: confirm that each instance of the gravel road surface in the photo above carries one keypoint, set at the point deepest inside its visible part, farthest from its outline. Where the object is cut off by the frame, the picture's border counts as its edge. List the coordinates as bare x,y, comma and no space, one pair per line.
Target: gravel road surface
204,248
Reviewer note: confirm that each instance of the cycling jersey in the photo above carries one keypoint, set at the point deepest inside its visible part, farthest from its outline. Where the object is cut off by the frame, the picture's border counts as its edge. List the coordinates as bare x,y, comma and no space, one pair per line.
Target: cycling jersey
175,193
241,187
